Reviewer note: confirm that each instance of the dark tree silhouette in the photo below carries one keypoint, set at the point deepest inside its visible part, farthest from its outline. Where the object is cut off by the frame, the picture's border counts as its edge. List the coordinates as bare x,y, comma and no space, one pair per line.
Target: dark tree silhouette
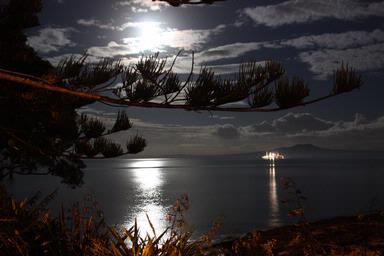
41,132
14,18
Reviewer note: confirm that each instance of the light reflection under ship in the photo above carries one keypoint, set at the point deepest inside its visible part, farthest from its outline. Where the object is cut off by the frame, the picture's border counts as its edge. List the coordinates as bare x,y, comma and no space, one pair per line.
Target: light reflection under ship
148,176
274,219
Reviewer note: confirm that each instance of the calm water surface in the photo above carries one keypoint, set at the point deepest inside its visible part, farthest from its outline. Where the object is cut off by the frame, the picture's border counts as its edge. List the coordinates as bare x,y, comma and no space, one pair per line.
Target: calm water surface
245,192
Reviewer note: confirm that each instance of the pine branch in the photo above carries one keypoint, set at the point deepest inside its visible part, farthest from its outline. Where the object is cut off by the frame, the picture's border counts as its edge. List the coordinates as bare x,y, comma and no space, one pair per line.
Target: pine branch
353,80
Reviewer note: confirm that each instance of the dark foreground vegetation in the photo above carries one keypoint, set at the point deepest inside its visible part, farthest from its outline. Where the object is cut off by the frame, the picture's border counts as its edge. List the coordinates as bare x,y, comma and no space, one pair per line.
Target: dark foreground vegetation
353,235
28,228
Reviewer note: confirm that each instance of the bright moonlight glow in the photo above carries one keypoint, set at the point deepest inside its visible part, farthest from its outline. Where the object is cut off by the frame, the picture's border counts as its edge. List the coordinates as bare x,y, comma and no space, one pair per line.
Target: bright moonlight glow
152,37
149,29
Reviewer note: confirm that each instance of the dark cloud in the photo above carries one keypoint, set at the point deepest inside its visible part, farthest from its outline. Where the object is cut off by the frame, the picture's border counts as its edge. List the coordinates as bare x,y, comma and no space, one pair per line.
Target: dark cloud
227,131
344,40
290,129
216,52
99,24
51,39
305,11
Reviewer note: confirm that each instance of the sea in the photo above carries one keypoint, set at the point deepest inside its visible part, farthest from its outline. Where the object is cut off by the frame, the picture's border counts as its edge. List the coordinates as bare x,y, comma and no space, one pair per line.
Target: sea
243,193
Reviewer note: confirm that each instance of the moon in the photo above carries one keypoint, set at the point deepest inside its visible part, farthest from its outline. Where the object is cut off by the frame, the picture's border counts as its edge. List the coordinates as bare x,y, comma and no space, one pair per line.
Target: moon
151,36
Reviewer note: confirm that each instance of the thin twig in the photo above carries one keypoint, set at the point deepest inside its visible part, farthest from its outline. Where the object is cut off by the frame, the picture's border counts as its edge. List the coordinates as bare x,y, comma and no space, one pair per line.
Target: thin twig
105,87
163,79
188,79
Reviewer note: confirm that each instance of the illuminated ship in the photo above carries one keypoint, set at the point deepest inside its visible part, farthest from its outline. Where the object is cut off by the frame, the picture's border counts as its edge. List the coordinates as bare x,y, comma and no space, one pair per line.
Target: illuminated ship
272,156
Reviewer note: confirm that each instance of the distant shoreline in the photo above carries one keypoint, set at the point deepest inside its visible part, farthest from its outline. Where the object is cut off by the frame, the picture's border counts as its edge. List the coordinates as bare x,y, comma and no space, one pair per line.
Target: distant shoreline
298,151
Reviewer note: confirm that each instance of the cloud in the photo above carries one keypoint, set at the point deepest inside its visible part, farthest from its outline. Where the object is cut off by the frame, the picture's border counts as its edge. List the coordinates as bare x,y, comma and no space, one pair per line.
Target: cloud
220,117
228,51
97,23
223,52
289,129
55,60
324,52
143,5
112,49
363,50
227,131
358,134
292,123
110,26
130,48
324,62
141,24
154,38
305,11
223,69
308,125
51,39
350,39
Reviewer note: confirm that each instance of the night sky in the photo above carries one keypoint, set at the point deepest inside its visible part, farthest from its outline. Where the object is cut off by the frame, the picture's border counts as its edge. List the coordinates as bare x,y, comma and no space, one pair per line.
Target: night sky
310,37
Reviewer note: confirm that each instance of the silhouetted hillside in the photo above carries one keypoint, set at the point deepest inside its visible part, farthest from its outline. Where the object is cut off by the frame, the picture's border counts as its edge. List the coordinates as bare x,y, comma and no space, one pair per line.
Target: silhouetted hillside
312,151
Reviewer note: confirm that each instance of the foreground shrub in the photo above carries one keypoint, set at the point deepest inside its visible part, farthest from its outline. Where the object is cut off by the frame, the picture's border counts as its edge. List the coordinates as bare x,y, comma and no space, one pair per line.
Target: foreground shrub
27,228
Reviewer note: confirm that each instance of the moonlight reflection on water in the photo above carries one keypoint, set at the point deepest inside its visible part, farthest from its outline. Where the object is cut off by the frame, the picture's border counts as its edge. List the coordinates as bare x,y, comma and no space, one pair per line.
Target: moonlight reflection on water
147,175
131,188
